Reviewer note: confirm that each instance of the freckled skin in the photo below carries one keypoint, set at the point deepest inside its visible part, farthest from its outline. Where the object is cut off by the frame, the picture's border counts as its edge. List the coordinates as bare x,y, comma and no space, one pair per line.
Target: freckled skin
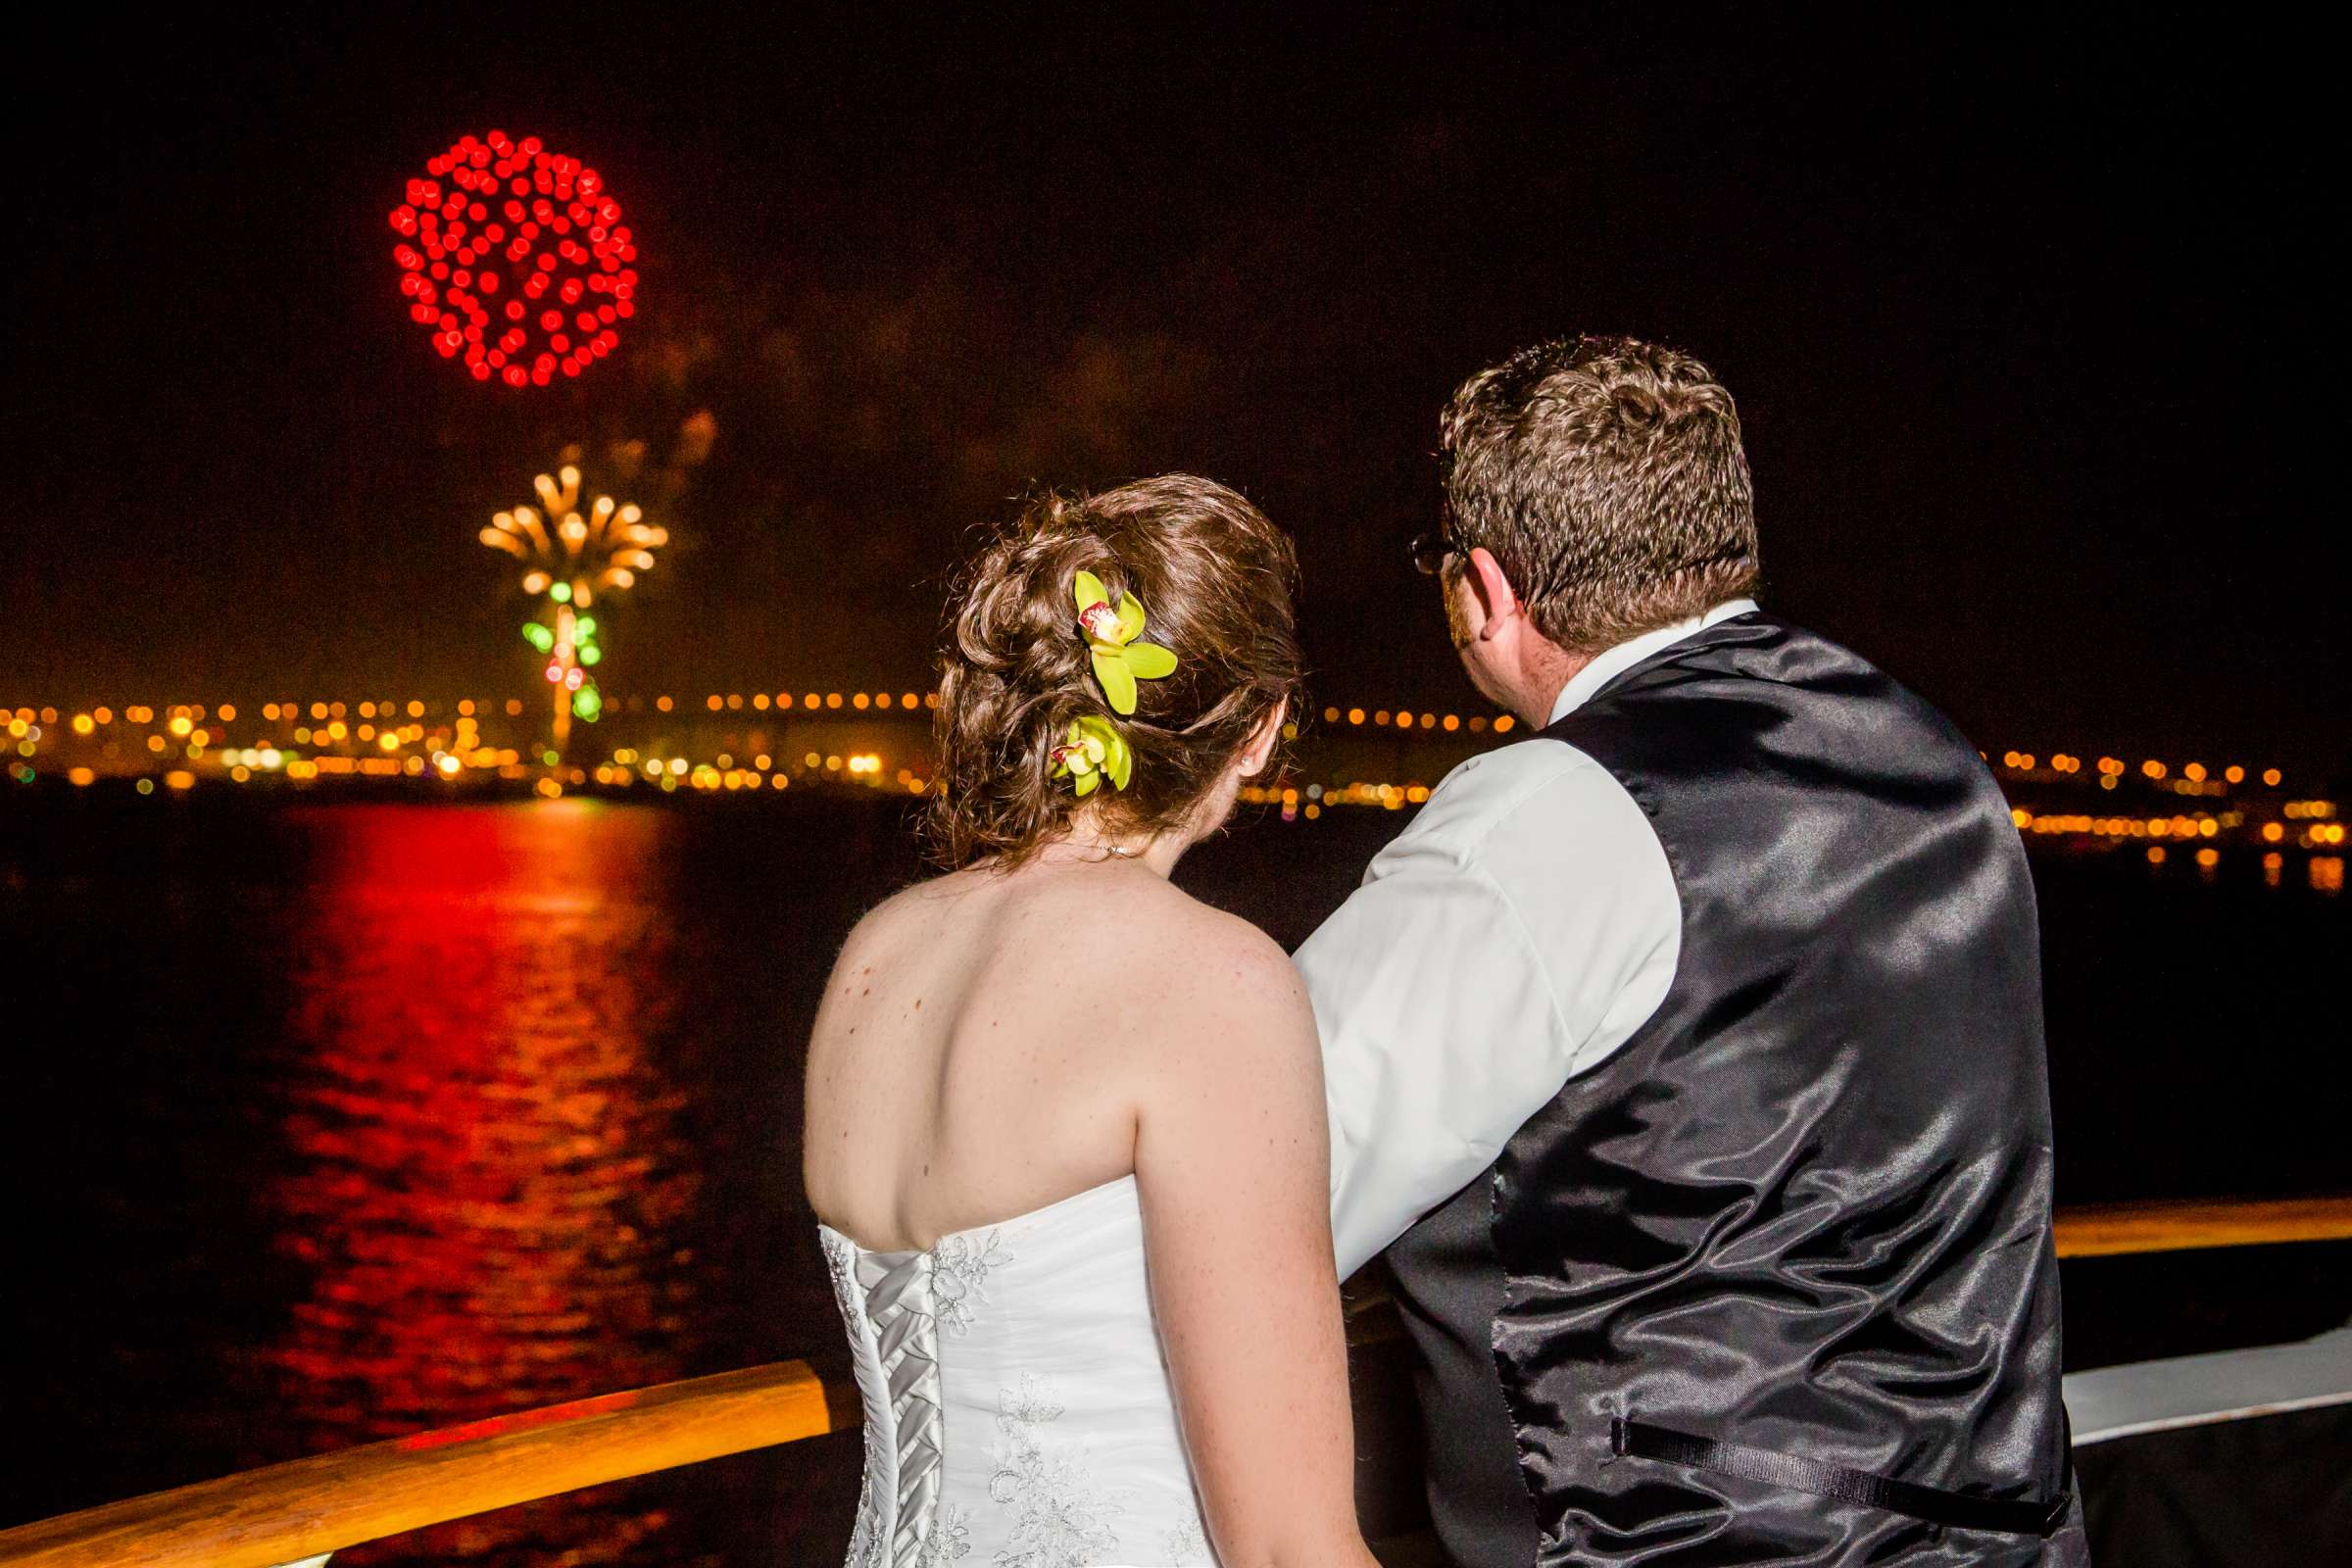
966,1022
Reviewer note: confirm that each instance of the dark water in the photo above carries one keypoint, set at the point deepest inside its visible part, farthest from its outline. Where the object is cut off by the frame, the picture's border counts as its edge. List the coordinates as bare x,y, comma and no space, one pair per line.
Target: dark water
331,1122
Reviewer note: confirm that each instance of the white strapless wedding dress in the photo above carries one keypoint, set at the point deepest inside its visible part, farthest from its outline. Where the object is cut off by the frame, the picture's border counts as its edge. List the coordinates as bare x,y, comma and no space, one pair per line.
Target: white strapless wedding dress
1017,1407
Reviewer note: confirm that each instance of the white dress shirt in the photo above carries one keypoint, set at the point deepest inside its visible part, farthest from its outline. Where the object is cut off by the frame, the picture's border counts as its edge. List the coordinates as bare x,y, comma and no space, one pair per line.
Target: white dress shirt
1515,934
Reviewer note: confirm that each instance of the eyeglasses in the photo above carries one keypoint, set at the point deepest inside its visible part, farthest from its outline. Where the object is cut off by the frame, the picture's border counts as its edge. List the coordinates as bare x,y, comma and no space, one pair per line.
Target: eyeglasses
1431,549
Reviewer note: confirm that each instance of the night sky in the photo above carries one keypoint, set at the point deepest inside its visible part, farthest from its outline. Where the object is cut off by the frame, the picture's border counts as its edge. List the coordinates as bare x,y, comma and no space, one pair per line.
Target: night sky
2027,320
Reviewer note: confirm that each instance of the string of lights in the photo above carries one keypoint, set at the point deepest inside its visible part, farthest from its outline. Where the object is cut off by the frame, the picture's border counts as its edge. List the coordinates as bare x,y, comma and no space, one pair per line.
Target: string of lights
2109,772
1405,720
382,739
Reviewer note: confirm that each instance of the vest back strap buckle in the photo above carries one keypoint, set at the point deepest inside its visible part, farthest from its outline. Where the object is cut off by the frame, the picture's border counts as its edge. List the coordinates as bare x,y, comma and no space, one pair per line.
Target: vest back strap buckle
2020,1516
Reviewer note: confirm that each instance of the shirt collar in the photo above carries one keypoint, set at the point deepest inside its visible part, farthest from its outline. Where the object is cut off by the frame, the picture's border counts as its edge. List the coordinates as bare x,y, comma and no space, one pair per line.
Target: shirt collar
1606,666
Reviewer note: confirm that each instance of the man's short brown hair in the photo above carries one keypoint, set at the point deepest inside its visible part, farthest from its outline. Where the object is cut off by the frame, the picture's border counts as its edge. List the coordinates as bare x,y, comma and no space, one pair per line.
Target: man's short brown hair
1605,477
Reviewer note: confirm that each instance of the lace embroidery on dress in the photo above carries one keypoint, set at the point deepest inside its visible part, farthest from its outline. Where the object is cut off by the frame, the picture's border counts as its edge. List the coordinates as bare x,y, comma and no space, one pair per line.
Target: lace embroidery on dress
948,1540
865,1536
1060,1520
841,1265
960,1270
866,1546
1185,1541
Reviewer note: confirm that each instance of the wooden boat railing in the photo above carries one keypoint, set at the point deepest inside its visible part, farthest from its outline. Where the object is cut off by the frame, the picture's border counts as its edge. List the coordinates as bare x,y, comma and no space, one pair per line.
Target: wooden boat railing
302,1511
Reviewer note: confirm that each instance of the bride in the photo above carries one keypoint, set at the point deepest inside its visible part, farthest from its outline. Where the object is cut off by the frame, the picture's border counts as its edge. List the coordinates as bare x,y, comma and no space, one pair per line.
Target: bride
1064,1124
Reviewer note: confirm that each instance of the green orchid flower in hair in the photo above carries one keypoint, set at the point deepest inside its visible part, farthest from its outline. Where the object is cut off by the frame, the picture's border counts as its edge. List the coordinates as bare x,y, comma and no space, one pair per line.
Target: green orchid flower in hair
1094,752
1110,637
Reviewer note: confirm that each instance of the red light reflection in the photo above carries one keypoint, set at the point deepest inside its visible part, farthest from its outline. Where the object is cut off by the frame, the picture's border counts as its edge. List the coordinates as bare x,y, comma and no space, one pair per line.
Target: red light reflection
487,1174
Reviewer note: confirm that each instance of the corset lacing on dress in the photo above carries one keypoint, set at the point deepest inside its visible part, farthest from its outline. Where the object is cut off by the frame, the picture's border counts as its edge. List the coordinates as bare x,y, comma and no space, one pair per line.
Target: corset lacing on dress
1017,1404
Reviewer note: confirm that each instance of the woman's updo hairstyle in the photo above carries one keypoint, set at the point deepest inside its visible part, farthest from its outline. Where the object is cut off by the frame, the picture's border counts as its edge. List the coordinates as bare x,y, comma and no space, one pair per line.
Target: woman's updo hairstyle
1215,578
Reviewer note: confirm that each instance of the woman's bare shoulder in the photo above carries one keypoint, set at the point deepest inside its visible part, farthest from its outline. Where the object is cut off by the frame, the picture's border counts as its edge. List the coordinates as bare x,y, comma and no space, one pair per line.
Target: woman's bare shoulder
1106,941
912,915
1215,983
886,940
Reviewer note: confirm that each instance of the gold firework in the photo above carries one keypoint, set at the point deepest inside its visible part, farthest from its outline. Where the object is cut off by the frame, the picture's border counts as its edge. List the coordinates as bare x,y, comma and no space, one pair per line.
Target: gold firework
569,560
605,548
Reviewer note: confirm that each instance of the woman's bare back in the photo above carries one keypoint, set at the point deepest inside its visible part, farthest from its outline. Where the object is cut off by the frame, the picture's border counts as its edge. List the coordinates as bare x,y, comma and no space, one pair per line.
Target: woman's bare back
976,1053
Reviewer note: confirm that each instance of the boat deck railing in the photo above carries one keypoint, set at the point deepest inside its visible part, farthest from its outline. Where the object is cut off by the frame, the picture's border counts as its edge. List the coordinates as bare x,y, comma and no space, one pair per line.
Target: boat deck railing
302,1511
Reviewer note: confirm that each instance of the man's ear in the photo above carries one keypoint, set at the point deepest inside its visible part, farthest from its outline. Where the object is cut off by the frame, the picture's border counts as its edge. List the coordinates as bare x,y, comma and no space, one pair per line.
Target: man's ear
1494,590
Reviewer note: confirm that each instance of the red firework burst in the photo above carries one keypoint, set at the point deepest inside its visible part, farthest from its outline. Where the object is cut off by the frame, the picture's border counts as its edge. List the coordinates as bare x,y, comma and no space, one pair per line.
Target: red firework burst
517,259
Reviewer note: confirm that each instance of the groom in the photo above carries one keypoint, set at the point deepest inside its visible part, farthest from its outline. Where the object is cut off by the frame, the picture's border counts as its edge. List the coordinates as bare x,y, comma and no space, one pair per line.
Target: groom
1687,1058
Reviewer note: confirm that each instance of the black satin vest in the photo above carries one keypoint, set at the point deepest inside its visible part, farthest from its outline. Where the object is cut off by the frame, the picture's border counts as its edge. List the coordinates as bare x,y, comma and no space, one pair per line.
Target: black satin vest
1804,1211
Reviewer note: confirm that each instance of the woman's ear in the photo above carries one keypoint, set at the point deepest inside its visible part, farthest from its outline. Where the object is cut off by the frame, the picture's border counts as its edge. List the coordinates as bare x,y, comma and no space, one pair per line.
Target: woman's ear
1261,740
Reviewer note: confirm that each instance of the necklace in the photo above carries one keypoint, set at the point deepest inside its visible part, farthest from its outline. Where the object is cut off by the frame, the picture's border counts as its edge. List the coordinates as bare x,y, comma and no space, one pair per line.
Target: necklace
1116,850
1100,848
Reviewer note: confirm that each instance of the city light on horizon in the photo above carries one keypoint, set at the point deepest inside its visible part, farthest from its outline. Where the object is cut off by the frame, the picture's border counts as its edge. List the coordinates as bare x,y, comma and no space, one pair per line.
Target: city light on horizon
875,739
